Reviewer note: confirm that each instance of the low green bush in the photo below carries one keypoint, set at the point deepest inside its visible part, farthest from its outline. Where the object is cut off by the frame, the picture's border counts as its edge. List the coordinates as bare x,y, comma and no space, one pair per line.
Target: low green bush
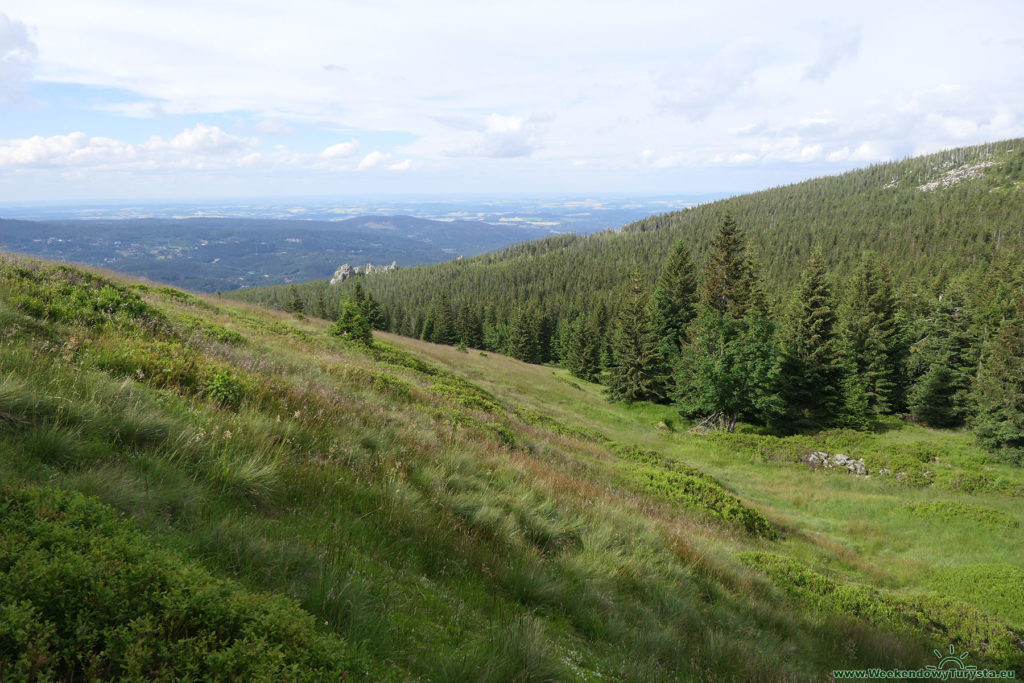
944,620
695,489
997,587
71,295
463,393
947,510
85,597
224,389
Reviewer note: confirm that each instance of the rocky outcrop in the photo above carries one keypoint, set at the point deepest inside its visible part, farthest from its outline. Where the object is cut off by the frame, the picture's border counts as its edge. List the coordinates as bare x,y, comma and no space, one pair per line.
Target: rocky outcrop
345,271
835,461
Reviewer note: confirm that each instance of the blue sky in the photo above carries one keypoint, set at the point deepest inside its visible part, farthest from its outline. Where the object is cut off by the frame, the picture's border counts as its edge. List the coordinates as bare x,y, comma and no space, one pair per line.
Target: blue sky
192,99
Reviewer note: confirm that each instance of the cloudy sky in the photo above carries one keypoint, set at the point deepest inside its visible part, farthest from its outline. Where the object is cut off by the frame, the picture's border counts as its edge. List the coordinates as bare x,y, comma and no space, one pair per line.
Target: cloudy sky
146,99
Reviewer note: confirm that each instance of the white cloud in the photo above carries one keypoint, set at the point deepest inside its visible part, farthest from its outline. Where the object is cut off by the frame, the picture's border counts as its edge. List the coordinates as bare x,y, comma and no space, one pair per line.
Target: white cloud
274,128
836,47
696,88
372,160
18,54
701,84
496,136
197,147
342,150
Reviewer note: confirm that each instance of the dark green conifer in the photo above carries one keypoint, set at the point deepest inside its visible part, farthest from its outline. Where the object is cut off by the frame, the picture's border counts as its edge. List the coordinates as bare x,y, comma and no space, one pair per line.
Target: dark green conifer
583,349
638,371
523,343
352,324
294,303
1000,393
444,323
811,377
943,362
873,339
320,310
673,304
727,276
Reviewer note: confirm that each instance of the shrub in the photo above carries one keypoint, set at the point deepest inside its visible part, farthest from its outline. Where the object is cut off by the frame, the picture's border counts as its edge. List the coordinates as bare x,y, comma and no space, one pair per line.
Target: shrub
71,295
695,489
944,620
85,597
465,394
947,511
224,389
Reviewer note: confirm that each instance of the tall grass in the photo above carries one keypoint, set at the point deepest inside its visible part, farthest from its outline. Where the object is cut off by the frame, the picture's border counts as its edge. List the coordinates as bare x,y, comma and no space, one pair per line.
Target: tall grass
410,503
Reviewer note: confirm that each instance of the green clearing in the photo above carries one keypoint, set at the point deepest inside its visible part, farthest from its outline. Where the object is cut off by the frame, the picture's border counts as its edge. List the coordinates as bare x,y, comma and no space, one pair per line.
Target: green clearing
413,512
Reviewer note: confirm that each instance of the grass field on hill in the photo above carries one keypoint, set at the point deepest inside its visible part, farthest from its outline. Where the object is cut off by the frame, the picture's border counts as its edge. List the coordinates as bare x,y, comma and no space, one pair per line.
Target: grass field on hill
301,507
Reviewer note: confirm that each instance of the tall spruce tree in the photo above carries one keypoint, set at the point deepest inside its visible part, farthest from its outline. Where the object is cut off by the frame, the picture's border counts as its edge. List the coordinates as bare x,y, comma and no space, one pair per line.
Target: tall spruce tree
943,362
638,371
444,323
320,308
294,303
727,274
583,348
523,343
1000,392
673,304
811,369
873,338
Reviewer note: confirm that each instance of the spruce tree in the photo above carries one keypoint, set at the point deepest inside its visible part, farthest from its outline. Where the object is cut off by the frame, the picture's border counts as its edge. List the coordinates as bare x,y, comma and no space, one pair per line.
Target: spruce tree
811,377
427,331
727,275
444,323
320,309
673,304
352,324
638,371
583,349
943,362
294,303
1000,393
873,339
523,342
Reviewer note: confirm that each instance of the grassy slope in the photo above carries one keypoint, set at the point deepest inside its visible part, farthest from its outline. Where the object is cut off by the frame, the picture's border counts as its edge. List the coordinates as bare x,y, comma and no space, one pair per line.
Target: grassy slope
497,529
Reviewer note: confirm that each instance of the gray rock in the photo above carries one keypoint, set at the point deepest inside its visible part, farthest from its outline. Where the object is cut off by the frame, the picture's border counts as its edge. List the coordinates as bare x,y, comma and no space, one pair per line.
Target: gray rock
836,461
345,271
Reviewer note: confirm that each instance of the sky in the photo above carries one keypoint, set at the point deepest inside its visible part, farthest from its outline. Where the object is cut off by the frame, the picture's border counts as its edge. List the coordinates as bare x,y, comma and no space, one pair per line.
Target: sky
224,98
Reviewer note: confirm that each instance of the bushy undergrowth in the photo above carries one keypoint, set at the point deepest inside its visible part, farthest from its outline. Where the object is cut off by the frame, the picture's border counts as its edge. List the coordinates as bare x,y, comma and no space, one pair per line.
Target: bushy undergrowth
84,597
65,294
695,489
946,511
945,620
462,393
998,587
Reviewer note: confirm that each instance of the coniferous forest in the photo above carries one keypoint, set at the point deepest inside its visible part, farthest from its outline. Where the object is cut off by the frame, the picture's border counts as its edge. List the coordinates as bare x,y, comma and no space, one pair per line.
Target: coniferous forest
897,290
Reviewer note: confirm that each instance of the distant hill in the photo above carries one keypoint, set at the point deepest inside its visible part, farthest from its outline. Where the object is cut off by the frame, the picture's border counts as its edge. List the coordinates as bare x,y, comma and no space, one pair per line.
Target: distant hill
930,218
208,254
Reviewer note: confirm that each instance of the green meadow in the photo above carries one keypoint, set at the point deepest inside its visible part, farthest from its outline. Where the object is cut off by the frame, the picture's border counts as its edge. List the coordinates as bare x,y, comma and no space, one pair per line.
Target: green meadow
194,488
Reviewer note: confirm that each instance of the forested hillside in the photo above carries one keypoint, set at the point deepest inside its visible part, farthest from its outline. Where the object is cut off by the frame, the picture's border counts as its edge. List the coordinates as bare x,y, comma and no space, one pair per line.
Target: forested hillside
932,219
909,301
198,489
